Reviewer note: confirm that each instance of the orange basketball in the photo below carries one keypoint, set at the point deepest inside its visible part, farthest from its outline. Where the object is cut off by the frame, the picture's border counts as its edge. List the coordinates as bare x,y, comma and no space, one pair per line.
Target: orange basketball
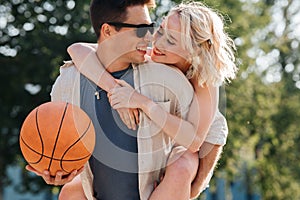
57,136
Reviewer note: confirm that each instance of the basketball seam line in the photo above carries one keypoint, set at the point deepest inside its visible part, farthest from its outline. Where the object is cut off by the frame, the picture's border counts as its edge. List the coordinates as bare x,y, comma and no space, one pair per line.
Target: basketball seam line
74,144
40,135
57,136
56,159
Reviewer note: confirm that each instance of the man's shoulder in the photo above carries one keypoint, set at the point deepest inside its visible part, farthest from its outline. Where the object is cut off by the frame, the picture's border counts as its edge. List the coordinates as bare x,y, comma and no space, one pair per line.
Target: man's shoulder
66,84
68,65
67,73
68,68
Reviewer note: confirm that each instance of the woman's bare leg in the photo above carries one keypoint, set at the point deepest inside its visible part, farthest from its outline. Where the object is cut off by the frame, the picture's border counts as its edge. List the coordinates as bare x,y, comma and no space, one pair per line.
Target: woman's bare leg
176,184
72,190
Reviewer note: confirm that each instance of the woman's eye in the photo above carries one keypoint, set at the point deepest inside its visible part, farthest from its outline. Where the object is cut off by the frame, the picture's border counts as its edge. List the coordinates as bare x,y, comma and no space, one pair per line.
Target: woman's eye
170,42
160,31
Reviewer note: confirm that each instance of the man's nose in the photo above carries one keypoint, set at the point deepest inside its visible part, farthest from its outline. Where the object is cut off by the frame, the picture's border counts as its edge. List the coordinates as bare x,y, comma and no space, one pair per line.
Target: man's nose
148,37
158,41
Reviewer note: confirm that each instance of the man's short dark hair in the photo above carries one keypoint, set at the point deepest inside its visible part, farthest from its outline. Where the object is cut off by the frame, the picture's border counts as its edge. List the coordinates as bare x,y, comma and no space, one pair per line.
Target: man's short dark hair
102,11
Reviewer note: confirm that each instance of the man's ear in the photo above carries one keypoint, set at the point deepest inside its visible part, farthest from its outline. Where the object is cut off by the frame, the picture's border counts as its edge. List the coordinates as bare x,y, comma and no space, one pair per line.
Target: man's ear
106,30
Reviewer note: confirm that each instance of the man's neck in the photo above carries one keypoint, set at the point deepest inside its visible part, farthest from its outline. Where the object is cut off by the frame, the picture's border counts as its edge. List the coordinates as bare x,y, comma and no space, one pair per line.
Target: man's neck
111,62
115,67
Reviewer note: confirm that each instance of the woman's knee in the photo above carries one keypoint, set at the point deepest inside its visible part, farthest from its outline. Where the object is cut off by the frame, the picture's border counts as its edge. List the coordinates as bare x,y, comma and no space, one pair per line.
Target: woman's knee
185,166
72,190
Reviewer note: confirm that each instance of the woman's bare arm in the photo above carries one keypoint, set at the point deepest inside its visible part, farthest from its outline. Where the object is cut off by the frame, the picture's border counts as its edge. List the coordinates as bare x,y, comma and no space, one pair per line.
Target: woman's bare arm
189,133
86,61
84,54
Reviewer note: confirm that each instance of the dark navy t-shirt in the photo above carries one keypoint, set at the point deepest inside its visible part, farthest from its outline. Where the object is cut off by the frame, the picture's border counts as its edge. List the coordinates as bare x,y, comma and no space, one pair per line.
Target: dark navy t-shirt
112,182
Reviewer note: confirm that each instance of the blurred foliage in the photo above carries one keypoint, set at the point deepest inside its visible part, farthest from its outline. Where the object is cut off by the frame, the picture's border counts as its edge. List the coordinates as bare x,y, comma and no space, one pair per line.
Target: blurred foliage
34,36
263,109
263,102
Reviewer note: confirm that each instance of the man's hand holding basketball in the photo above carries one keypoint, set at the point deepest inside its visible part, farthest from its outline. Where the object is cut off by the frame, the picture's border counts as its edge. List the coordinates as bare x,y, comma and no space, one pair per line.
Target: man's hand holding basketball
59,179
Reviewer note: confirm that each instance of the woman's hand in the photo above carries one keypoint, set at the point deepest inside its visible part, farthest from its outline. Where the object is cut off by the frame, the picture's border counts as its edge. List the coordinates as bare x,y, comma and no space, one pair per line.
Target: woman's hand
124,97
129,116
96,72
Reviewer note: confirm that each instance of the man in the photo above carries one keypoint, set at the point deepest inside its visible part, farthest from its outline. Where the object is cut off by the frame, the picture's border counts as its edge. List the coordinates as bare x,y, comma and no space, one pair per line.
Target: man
135,177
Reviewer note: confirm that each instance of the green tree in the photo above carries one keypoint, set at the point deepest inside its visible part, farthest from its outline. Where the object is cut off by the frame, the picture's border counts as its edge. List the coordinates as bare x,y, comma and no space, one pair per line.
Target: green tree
34,36
263,102
278,150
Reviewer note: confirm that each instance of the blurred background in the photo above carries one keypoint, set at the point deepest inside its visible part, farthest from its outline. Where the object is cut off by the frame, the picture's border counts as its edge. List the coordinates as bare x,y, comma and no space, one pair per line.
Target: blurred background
262,106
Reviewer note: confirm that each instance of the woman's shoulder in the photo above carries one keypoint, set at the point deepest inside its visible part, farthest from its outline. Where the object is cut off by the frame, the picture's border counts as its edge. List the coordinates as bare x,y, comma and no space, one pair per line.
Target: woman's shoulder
169,76
150,65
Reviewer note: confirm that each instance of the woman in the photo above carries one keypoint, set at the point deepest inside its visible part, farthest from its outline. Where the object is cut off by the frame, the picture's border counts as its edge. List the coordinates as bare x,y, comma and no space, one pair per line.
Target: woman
192,39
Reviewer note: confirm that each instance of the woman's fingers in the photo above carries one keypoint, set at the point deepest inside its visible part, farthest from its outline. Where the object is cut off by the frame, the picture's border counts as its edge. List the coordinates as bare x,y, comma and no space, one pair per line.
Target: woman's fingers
136,116
132,119
129,117
123,113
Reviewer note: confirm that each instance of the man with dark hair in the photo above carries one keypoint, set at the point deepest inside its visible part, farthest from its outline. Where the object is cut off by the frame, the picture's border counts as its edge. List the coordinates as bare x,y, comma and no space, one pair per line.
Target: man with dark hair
120,157
121,166
110,11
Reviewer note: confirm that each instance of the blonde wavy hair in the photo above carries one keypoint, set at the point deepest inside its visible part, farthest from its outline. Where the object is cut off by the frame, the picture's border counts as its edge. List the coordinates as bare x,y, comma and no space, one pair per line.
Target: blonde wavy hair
211,49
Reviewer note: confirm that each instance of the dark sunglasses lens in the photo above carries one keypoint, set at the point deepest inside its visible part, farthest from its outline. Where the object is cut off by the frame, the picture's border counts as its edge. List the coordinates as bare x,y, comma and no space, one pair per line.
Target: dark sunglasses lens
151,29
141,32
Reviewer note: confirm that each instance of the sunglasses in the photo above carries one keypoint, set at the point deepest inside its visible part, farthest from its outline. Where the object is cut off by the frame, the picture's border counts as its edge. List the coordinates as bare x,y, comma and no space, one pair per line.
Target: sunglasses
141,29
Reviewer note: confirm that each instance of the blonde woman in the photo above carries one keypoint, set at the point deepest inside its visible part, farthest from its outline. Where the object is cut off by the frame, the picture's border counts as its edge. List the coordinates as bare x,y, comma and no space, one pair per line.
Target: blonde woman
192,39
